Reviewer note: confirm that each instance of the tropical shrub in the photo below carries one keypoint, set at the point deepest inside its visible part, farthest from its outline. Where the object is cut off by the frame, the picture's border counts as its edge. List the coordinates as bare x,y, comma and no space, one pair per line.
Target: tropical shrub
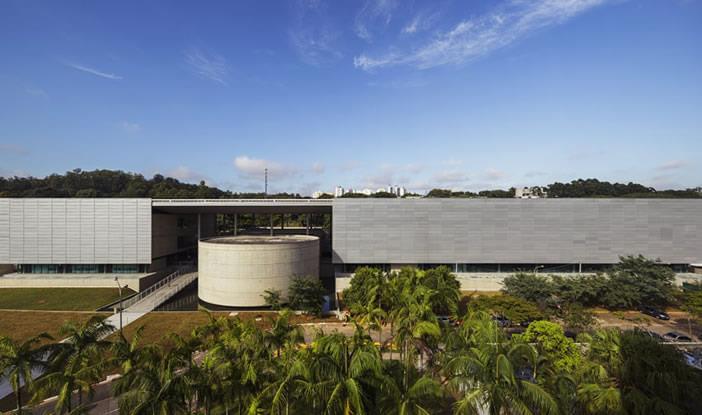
634,281
515,309
306,294
550,340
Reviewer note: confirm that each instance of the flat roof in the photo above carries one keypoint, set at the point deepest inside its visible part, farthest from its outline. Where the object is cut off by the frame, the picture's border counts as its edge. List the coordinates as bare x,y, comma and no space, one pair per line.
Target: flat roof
260,239
242,205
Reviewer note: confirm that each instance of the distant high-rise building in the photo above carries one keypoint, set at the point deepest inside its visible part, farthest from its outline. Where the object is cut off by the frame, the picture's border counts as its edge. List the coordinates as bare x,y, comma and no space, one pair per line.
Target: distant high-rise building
339,191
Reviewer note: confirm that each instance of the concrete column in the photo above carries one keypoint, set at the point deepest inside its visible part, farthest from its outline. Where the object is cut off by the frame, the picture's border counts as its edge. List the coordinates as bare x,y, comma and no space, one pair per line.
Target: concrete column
580,268
307,224
236,224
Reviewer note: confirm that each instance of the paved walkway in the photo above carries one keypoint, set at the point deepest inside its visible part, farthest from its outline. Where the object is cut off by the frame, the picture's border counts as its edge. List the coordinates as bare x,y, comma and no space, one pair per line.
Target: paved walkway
147,300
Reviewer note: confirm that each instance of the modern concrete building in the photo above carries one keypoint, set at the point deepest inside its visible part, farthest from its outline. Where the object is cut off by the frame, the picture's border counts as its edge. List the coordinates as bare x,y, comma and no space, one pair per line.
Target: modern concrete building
88,241
236,271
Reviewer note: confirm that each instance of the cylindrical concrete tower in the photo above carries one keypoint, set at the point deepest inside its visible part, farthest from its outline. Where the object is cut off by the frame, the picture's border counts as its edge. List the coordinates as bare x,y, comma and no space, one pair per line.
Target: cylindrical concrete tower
235,271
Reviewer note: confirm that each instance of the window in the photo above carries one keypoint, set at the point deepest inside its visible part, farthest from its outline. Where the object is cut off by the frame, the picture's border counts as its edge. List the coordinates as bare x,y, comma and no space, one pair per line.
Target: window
125,268
478,268
85,268
44,269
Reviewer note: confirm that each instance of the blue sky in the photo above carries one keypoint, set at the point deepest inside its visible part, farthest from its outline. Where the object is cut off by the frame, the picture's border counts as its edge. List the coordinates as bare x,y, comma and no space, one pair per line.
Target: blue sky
461,94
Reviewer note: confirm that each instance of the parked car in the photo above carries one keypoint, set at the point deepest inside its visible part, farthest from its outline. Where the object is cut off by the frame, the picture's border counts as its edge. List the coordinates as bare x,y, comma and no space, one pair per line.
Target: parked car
525,323
655,336
446,321
674,336
502,321
655,313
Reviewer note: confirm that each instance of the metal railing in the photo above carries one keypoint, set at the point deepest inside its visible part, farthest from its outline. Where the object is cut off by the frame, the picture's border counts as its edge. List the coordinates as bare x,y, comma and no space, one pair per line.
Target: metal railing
161,291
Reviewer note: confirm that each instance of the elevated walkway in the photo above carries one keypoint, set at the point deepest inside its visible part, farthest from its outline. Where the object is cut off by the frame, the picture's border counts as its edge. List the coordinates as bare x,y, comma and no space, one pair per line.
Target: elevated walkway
146,301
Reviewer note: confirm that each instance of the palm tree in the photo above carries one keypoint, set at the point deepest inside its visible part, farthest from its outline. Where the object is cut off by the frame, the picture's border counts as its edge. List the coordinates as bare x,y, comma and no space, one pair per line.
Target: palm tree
483,373
184,349
346,370
78,361
282,333
154,387
416,324
127,353
19,360
421,396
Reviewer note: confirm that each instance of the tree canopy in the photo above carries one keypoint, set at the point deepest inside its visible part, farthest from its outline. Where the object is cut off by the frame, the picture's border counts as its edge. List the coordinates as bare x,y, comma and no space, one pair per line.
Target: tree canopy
116,183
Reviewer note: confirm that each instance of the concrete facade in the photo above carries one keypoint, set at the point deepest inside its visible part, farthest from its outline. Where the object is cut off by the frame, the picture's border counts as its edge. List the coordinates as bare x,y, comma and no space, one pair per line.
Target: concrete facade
75,231
235,271
513,231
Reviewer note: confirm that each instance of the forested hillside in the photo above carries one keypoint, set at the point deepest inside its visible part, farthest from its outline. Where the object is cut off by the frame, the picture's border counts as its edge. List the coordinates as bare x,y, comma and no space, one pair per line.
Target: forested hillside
115,183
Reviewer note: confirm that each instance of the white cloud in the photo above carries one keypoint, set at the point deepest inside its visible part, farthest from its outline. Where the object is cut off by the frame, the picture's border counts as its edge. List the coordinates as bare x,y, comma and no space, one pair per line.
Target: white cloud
186,174
449,178
374,13
207,66
318,168
475,37
252,167
420,22
130,127
494,174
312,35
672,165
534,173
93,71
14,149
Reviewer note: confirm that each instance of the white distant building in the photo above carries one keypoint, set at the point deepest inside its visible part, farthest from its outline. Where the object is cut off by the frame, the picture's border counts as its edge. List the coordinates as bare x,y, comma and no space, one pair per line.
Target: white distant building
535,192
398,191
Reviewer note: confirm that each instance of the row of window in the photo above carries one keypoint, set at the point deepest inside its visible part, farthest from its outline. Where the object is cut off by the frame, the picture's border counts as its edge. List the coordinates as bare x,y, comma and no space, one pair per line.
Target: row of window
479,268
82,268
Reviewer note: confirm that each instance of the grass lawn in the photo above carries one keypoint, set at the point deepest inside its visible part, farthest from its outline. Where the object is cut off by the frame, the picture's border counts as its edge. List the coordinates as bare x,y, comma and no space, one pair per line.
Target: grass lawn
22,325
59,299
159,324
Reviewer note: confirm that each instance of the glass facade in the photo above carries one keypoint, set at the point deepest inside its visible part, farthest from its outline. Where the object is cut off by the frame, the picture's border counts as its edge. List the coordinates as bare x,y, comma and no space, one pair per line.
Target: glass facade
505,268
81,268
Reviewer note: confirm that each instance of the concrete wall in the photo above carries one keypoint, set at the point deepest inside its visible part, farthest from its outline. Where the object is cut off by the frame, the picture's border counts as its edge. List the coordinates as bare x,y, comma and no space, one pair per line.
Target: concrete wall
75,231
237,274
515,230
6,269
165,233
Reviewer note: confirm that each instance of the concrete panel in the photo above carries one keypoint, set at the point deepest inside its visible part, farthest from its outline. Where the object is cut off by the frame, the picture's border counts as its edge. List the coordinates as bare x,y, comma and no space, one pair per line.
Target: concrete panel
75,231
235,271
515,230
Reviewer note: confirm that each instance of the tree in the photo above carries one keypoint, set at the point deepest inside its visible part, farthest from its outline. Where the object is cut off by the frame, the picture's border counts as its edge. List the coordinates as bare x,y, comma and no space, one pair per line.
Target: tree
655,378
347,370
531,287
415,394
636,280
306,294
515,309
552,342
19,362
482,372
78,361
445,290
154,388
272,298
